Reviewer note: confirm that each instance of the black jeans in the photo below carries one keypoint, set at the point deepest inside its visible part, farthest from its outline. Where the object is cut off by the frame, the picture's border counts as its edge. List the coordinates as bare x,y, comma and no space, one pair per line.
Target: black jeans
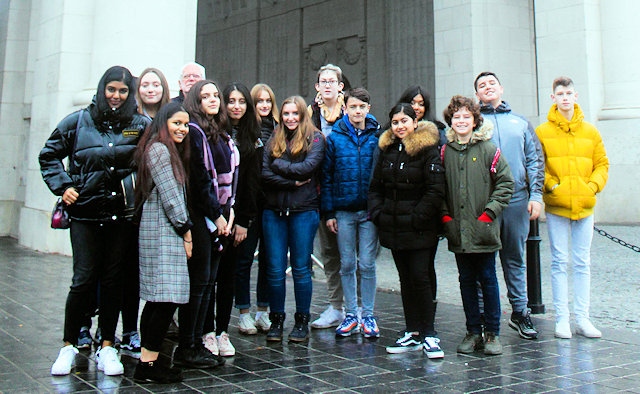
131,295
154,323
415,287
99,254
203,266
221,302
244,261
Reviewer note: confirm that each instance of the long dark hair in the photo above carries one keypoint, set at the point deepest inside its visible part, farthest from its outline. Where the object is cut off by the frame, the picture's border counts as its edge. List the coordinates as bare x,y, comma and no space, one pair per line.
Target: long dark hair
158,131
248,129
101,111
216,126
414,90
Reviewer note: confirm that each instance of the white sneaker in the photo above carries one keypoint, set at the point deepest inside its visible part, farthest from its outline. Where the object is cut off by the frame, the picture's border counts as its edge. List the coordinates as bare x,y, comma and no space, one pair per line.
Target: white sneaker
211,343
563,330
246,324
65,361
329,318
225,347
108,361
586,329
263,323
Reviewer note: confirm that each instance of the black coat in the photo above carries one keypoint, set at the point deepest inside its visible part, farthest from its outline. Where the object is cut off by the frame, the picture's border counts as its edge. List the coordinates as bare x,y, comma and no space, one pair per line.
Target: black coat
102,156
407,189
279,176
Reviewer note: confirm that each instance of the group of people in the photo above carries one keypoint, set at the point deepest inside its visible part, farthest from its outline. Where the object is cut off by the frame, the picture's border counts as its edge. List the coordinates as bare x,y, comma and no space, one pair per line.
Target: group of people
215,173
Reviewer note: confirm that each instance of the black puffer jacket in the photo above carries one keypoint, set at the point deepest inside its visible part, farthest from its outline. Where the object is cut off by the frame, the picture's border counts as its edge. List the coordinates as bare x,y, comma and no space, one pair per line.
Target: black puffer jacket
102,157
279,178
407,189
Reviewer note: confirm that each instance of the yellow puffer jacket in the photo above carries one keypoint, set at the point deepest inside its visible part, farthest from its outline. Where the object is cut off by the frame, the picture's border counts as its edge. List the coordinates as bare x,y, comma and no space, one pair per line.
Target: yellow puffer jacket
576,164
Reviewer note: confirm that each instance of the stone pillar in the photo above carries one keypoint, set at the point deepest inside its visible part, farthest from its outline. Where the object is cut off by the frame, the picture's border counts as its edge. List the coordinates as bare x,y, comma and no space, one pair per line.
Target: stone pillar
475,36
75,41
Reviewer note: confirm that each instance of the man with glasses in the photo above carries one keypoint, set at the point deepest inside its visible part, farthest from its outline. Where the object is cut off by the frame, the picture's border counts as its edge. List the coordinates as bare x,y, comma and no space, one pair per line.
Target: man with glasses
192,72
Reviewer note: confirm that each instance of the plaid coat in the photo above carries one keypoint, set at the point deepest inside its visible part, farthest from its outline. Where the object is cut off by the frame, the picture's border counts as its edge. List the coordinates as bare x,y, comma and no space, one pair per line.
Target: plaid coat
164,276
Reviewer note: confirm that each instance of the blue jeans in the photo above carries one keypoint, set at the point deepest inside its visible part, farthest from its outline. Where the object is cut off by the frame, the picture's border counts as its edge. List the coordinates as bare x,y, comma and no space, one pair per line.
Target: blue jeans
514,229
245,258
293,233
357,236
474,267
570,236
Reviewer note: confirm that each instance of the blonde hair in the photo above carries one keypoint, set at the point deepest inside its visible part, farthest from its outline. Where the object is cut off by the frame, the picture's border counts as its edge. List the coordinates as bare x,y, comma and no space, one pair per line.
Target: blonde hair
255,92
330,67
302,137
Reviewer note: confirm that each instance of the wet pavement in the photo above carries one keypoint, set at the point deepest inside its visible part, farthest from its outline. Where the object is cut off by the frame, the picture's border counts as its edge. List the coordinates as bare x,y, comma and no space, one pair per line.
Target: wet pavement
33,288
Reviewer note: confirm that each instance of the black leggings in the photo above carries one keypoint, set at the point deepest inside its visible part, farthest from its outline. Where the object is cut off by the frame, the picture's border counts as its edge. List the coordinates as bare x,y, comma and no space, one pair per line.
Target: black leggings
154,323
415,287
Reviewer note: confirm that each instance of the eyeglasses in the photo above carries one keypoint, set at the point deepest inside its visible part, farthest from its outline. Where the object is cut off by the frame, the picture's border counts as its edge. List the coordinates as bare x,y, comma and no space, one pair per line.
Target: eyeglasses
328,83
194,76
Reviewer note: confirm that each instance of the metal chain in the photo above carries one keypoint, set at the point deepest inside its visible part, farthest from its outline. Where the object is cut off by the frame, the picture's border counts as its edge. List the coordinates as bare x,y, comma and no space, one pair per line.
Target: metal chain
617,240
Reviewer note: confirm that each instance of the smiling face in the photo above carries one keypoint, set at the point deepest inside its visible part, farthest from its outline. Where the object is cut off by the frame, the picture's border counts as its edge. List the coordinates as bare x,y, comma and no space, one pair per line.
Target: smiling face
290,116
417,103
210,99
190,75
462,123
264,104
177,125
236,107
150,89
402,125
489,90
116,93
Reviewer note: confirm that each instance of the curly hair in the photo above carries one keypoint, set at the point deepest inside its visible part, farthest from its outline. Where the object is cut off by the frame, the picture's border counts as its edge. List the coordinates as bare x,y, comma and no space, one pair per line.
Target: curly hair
459,102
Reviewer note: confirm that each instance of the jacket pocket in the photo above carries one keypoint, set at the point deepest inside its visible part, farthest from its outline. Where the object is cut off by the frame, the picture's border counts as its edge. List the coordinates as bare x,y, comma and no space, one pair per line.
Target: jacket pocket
486,234
586,197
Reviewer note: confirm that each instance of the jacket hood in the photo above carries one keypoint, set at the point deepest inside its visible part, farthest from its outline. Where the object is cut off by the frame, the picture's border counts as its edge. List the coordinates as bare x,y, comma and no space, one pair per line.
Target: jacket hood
484,133
424,136
554,116
500,109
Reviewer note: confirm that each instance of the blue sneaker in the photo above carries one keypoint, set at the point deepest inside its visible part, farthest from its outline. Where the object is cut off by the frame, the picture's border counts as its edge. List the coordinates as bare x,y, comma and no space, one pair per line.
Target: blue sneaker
431,347
349,325
84,338
370,327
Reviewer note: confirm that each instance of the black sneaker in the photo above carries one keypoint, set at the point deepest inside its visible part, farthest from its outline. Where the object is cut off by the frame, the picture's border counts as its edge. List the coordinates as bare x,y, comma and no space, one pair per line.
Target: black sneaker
152,372
406,343
522,323
130,344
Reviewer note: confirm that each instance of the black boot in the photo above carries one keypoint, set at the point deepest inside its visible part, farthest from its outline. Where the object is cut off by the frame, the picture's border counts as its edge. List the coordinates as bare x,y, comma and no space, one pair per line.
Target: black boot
277,321
300,332
151,372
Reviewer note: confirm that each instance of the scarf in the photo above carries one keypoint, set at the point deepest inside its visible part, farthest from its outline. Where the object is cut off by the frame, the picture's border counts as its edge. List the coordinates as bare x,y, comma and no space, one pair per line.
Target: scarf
330,115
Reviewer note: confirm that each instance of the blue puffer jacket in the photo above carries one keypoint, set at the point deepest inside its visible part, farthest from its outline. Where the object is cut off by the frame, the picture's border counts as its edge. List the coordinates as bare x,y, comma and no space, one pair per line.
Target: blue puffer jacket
347,166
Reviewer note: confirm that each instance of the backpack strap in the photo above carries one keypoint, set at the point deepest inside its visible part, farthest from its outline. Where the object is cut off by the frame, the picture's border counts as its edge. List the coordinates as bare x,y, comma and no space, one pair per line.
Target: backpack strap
442,148
494,162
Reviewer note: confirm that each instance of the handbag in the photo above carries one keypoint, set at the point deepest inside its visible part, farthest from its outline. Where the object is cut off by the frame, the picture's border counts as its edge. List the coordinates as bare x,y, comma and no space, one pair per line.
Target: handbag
59,216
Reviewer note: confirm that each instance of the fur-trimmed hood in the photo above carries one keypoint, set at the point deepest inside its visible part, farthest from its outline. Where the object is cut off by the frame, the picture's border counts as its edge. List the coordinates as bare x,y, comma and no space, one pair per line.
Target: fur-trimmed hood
484,133
425,135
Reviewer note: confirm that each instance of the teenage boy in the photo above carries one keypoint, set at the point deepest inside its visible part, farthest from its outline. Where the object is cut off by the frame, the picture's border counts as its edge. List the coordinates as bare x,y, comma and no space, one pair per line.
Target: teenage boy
515,137
346,171
577,169
325,111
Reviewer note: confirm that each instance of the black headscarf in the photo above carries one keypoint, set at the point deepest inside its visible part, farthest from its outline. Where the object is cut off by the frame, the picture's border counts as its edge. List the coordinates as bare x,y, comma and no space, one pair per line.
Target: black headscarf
100,110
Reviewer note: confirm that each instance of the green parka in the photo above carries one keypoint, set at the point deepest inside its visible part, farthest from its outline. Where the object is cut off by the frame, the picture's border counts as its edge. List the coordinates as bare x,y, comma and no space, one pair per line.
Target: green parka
478,181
